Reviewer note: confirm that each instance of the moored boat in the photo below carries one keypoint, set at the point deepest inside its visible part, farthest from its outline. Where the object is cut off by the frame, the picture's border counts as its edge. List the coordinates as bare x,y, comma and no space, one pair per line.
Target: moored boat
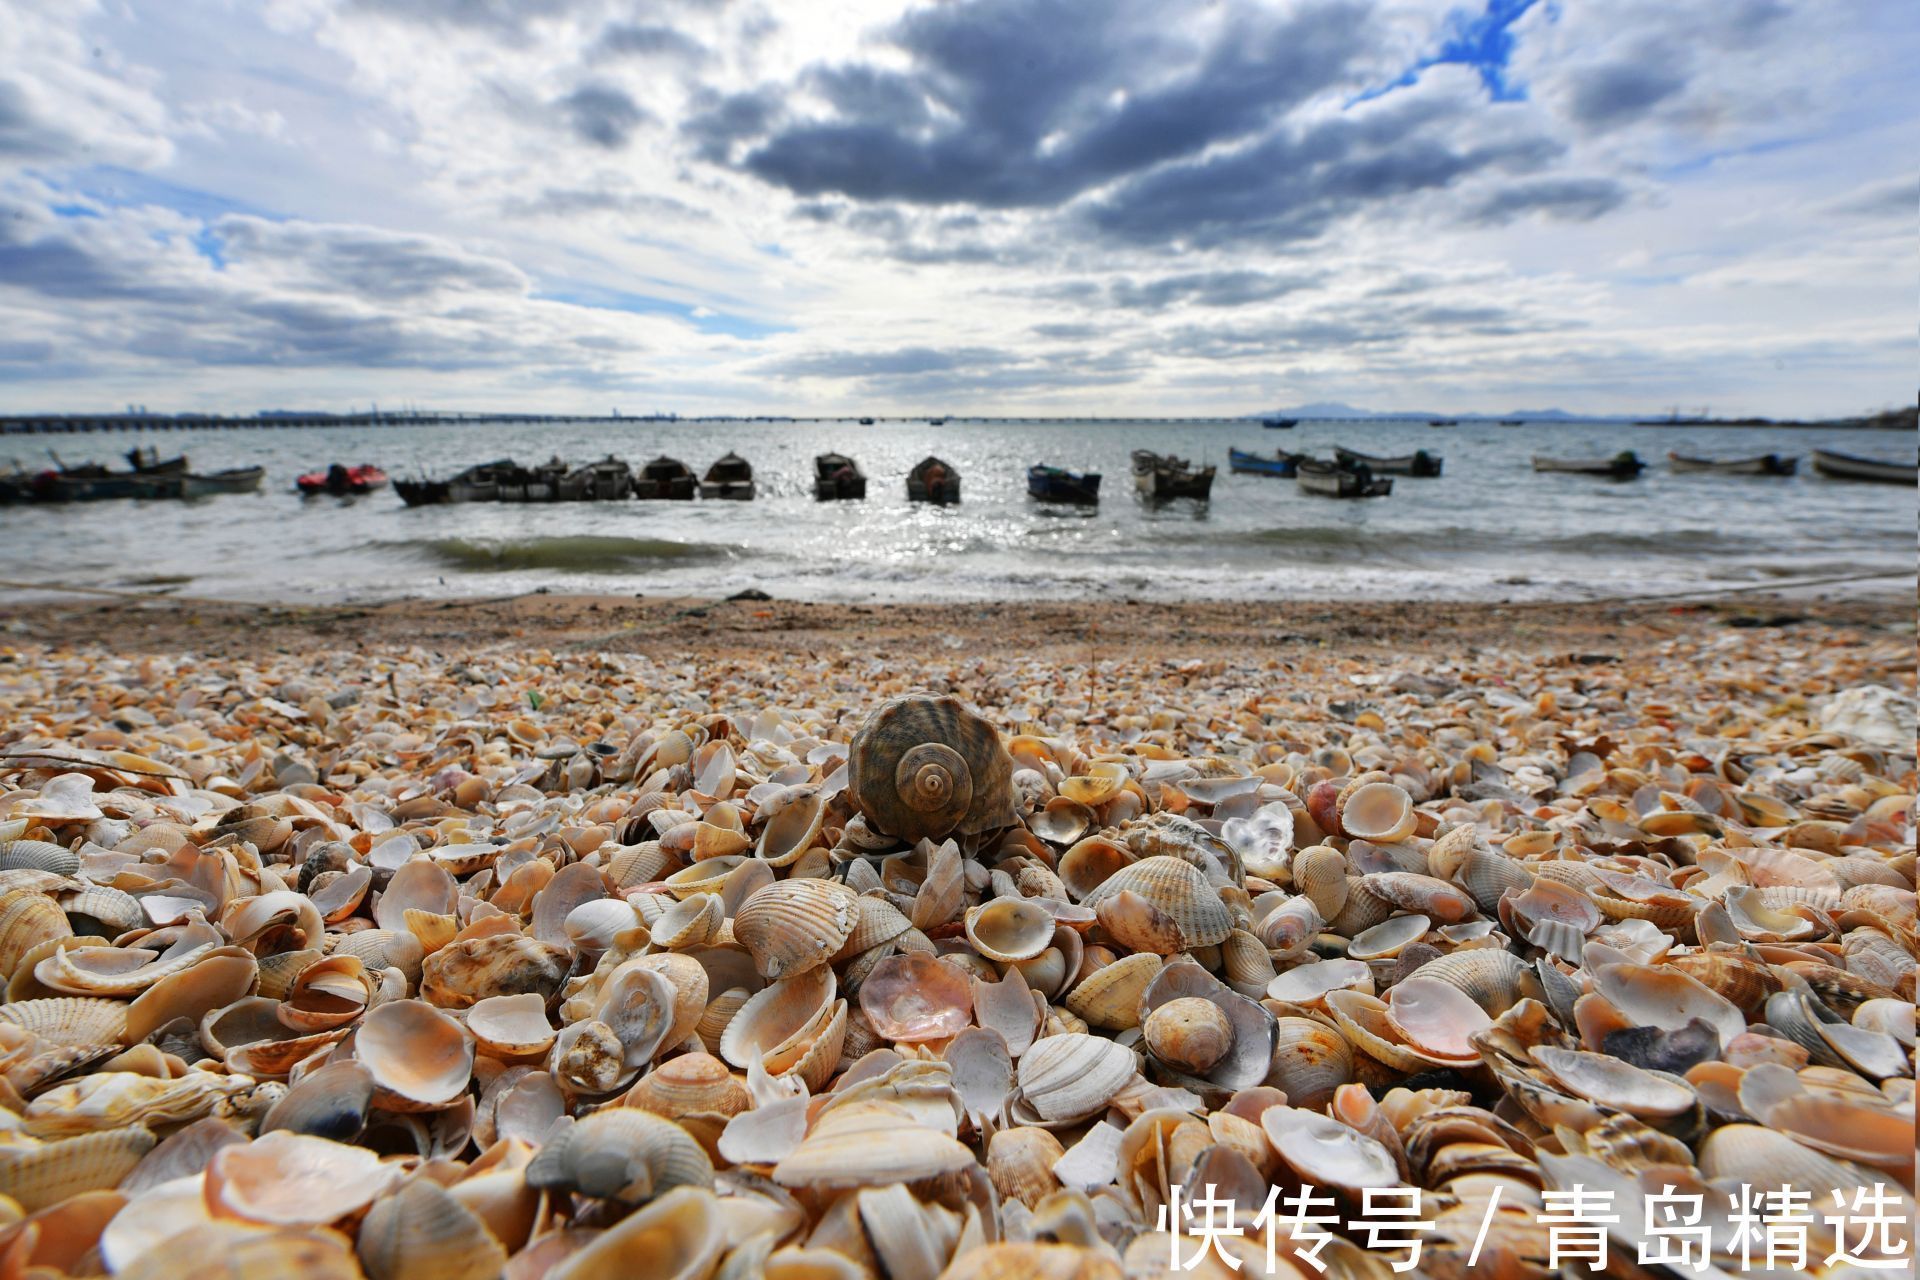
1766,464
101,485
482,482
1057,484
836,477
866,422
423,492
730,477
1849,466
1279,424
932,480
148,462
1624,465
1417,463
341,479
665,478
1443,422
1340,480
601,481
1161,476
1259,464
231,480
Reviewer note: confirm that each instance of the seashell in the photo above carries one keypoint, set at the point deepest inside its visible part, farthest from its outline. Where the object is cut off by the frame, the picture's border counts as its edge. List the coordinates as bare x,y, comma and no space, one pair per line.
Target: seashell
1085,866
1068,1077
1666,998
1673,1052
1326,1153
924,767
1154,1151
115,1099
1061,821
290,1179
1308,984
692,921
1178,889
915,997
1381,812
1387,940
1245,963
383,949
69,1020
1765,1159
99,911
589,1059
870,1143
1009,929
1263,839
1436,1018
330,1102
1424,894
40,1177
794,925
1491,978
38,855
27,920
775,1025
1020,1164
719,1012
1011,1261
420,1232
1488,875
1138,925
793,819
1310,1061
621,1153
1616,1084
464,972
1362,1019
510,1026
1007,1008
878,922
1320,872
419,1058
1190,1033
693,1083
679,1236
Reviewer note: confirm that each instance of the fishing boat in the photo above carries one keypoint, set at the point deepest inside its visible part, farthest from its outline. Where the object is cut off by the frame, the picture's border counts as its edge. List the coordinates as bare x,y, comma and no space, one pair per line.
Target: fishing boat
731,476
665,478
231,480
836,477
601,481
532,484
1765,464
1057,484
1624,465
932,480
1259,464
1161,476
1443,422
1339,480
340,479
101,485
1848,466
1279,424
1417,463
1513,422
936,422
866,422
481,482
148,462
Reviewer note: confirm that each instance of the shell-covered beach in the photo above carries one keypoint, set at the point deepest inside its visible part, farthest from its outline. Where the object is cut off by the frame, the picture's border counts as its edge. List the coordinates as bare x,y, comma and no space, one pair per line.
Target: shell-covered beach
585,937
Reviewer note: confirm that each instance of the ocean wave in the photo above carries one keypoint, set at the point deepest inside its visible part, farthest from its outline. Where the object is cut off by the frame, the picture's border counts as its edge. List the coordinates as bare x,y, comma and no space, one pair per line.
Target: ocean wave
570,553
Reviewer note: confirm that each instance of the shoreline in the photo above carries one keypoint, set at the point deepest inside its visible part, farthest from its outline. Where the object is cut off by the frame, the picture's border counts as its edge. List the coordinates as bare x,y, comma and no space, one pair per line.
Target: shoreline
1066,631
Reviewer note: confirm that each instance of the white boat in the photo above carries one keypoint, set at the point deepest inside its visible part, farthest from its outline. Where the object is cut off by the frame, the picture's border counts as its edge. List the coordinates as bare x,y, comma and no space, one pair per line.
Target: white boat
1847,466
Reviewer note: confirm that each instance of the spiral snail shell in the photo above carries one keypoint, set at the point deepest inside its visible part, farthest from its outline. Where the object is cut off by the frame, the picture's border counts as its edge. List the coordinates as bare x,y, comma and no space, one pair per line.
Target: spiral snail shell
924,767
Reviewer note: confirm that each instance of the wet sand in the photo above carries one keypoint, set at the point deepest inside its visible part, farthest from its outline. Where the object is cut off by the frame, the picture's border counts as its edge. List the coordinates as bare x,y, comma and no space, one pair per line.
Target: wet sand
1068,632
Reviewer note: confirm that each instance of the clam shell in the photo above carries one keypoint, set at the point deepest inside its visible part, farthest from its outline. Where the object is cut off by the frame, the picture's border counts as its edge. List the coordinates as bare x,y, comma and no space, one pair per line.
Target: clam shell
419,1058
510,1026
915,996
331,1102
1613,1083
793,819
776,1023
1665,998
680,1235
1326,1153
1020,1164
1491,978
794,925
870,1144
289,1179
420,1232
1436,1018
1067,1077
690,1084
1110,996
1378,811
1309,984
40,1177
1177,888
1389,939
1009,929
621,1153
1310,1061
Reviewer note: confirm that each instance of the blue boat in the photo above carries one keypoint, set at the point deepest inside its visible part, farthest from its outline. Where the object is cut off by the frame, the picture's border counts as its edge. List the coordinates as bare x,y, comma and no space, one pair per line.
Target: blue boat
1057,484
1279,424
1259,464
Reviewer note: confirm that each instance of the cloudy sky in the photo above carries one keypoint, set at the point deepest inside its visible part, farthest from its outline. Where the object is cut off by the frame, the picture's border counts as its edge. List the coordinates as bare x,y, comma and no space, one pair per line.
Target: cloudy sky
968,205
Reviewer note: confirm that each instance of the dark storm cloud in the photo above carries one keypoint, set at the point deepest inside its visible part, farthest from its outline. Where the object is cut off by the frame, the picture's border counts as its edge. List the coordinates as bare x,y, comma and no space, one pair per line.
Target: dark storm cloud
1292,186
998,110
646,40
602,115
1618,93
1569,199
717,122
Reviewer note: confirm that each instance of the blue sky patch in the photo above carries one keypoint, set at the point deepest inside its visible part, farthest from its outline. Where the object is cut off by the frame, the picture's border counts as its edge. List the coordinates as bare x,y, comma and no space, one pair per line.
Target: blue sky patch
705,319
1482,41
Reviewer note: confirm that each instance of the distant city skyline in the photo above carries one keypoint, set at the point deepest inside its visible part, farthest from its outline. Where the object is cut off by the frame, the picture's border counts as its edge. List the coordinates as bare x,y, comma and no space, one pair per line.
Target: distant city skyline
1003,207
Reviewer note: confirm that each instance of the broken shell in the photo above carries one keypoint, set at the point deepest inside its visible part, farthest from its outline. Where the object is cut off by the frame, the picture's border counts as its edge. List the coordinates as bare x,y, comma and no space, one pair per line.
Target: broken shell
510,1026
420,1058
291,1179
1009,929
1378,811
916,996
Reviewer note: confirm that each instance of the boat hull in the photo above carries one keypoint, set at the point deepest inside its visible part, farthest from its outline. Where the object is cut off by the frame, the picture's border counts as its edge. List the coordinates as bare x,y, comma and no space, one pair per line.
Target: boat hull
727,490
233,480
1049,484
1340,482
1847,466
1163,479
423,493
1419,463
1255,464
944,492
1767,464
1625,467
676,490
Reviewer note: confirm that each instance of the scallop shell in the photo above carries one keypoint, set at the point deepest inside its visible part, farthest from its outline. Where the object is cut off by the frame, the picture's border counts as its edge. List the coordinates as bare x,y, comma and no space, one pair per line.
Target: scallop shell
923,767
794,925
679,1236
870,1144
1492,978
690,1084
621,1153
69,1020
1177,888
40,1177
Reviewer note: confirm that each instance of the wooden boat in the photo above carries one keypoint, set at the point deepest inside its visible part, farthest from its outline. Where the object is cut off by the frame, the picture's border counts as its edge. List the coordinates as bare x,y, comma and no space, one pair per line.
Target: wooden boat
936,422
1848,466
79,486
481,483
665,478
866,422
1513,422
1624,465
731,476
532,484
836,476
1443,422
339,479
1161,476
1766,464
231,480
1417,463
1259,464
1279,424
601,481
1338,480
1057,484
932,480
423,492
148,462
